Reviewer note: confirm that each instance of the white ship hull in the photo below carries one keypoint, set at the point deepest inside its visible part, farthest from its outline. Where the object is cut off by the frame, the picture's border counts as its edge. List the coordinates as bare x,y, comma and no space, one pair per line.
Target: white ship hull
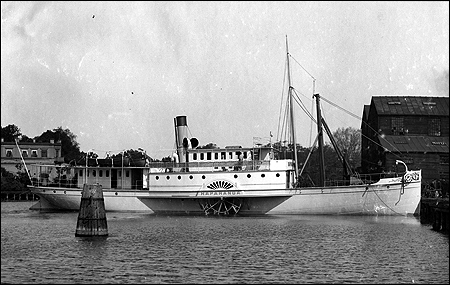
69,199
389,196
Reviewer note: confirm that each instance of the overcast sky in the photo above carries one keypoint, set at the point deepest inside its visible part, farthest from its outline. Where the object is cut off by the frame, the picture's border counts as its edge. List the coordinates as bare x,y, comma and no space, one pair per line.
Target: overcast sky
117,73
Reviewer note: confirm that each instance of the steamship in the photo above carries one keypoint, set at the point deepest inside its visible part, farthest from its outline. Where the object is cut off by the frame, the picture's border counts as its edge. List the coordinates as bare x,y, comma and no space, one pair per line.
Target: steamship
230,181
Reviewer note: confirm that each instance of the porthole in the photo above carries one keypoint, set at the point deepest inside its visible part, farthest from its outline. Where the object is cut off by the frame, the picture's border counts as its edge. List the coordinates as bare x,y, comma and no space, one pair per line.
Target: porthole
168,177
203,176
179,177
54,191
157,177
278,175
116,193
65,192
387,187
249,175
235,176
191,177
263,175
367,188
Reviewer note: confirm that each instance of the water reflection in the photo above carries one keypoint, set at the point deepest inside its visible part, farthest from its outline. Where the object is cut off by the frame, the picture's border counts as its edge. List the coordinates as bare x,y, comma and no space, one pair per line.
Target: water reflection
144,248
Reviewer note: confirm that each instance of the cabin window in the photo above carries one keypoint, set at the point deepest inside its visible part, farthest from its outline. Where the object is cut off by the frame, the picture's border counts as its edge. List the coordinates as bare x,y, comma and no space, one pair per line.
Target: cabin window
194,156
43,153
94,173
245,155
202,156
100,173
56,152
120,173
9,152
223,155
81,173
208,156
230,154
25,153
34,153
107,173
127,173
434,127
397,126
216,155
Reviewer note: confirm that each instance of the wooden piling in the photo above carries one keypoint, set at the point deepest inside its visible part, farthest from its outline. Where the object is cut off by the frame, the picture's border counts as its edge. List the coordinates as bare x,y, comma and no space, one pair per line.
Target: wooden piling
435,211
92,216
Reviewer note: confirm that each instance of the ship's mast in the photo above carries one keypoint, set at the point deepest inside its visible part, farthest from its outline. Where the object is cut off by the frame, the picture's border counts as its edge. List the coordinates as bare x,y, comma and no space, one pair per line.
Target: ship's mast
320,138
291,103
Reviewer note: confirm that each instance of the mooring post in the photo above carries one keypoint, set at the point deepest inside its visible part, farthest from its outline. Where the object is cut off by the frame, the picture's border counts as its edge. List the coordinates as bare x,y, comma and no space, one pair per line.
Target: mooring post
92,216
437,219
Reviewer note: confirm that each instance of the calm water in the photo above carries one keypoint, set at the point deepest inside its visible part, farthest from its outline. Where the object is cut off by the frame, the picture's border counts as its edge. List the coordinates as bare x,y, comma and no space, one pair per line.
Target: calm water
143,248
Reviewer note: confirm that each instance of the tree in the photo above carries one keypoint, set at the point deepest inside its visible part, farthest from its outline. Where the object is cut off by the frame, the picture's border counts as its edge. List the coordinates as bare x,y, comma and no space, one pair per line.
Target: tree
25,138
333,167
70,149
10,132
349,142
14,182
208,146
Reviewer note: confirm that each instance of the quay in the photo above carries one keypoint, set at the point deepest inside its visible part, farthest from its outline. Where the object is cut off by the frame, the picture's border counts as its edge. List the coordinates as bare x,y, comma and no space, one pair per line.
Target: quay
435,212
24,195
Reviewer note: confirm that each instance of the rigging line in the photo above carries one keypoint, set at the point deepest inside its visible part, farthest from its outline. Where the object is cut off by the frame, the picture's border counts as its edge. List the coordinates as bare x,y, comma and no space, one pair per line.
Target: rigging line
359,118
285,120
337,106
282,122
373,190
302,67
309,154
312,108
395,154
297,98
189,130
302,94
302,107
282,96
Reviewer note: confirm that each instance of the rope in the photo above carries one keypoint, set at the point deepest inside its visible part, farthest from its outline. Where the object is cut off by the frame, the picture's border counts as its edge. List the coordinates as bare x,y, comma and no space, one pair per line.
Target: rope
386,204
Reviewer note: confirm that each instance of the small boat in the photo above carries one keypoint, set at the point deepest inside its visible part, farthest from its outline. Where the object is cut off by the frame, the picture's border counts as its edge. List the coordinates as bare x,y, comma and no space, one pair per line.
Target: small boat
228,181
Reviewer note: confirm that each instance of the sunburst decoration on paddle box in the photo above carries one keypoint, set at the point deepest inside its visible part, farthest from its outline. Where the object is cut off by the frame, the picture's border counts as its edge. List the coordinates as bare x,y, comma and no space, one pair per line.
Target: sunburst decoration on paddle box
220,184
